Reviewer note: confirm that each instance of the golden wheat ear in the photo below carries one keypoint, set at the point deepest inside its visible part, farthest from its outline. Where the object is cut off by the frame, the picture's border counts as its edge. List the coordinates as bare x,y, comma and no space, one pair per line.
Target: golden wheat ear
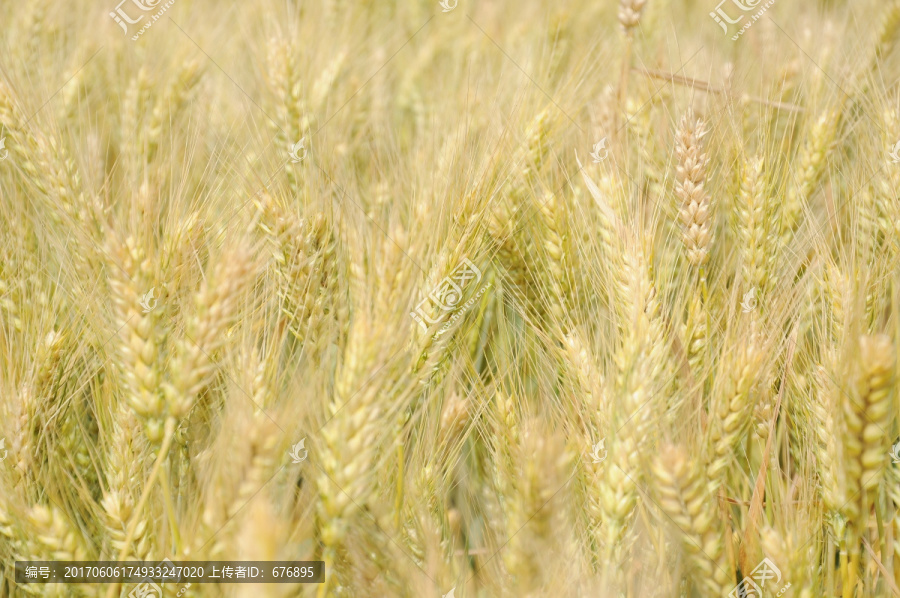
695,211
684,498
216,306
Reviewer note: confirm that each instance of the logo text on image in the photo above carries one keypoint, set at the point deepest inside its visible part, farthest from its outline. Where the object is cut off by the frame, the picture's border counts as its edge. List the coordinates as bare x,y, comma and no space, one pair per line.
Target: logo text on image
752,585
724,19
124,19
447,294
150,589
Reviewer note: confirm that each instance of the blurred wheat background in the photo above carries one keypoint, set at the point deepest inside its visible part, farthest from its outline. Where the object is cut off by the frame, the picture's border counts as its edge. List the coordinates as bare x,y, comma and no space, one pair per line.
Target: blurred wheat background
677,359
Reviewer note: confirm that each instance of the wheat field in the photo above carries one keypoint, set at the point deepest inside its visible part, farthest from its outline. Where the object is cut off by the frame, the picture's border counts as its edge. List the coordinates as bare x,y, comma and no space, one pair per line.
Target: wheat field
464,298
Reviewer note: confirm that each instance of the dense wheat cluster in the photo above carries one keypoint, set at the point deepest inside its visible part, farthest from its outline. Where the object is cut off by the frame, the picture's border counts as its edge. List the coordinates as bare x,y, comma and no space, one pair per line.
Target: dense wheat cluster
468,298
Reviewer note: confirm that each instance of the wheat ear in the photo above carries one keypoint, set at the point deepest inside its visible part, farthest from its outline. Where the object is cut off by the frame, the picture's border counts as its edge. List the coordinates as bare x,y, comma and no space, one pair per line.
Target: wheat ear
170,104
753,226
825,410
888,182
730,418
685,499
216,305
140,336
887,32
641,365
867,414
532,520
123,473
812,159
558,257
349,446
695,211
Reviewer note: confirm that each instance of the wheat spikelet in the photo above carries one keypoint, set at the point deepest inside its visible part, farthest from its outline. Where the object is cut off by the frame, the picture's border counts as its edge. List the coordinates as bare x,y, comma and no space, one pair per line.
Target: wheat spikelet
501,227
837,291
730,415
303,253
694,333
630,12
283,78
887,32
695,211
641,372
831,475
866,415
892,489
812,157
261,538
558,257
684,498
431,348
46,164
249,470
215,305
55,538
762,415
866,217
782,550
140,335
324,84
32,411
537,143
134,105
122,475
531,521
346,484
753,231
887,184
170,104
506,436
587,374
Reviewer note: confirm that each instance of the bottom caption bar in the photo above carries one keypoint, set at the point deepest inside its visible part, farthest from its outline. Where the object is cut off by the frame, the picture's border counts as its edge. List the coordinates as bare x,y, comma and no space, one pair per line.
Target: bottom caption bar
170,572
